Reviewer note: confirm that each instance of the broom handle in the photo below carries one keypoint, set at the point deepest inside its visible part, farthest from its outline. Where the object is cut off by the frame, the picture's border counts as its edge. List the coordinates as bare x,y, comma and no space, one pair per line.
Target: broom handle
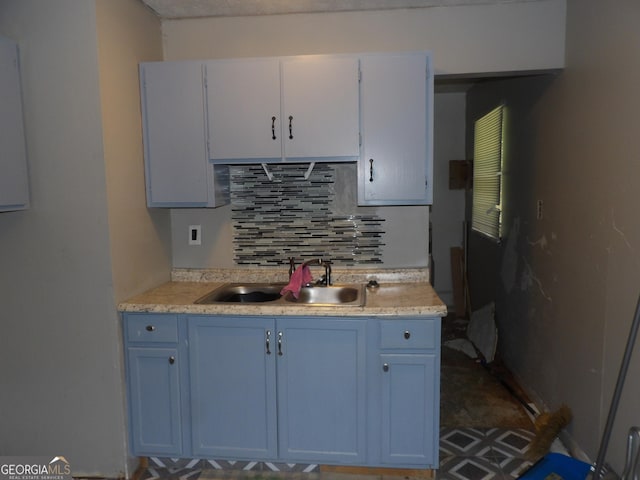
624,366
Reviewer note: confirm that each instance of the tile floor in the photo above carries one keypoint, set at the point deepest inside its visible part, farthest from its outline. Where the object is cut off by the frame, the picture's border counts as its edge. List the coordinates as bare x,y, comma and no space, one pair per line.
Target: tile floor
465,454
483,453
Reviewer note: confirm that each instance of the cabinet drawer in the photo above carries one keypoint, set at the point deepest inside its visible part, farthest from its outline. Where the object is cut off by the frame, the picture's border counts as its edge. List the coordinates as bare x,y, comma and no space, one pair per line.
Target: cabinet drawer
418,333
152,328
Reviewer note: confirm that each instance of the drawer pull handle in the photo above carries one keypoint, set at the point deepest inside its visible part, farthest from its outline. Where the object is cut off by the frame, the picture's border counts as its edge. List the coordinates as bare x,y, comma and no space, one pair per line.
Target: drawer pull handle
280,344
407,334
150,328
385,367
268,342
290,127
172,360
273,128
371,170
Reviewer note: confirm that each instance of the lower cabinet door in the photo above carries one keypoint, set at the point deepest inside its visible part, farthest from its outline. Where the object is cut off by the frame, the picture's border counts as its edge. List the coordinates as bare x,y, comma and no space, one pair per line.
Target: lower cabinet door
410,411
154,396
321,390
233,387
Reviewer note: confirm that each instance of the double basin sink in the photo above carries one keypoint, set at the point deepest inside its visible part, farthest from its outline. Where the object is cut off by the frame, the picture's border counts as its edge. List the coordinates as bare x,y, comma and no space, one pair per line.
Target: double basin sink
269,293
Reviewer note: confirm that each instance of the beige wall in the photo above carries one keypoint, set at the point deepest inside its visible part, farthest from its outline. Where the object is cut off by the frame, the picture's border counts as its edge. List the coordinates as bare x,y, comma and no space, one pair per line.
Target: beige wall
465,40
568,283
62,385
139,237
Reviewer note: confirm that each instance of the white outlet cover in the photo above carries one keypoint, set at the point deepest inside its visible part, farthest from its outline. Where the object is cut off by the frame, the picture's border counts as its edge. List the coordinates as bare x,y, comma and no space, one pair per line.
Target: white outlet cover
195,235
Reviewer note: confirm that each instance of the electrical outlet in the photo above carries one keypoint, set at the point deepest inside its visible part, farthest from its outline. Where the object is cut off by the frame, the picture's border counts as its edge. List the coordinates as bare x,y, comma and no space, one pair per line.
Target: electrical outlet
195,235
539,210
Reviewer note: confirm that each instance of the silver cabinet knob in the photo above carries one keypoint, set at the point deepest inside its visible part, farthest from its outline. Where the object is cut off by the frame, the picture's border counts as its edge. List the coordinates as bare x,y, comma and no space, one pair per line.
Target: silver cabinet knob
407,334
150,328
172,359
385,367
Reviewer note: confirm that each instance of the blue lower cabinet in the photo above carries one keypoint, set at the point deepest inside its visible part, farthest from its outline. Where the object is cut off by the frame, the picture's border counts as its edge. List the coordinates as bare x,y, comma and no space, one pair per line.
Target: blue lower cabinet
313,409
321,390
407,375
154,401
326,390
233,387
409,409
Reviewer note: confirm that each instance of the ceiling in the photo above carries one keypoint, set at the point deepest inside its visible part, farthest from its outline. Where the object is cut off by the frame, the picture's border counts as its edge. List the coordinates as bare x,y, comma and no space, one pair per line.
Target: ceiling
174,9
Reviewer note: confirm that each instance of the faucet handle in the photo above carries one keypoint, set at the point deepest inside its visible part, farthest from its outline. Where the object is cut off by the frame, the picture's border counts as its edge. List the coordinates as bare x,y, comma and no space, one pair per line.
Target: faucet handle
327,272
292,266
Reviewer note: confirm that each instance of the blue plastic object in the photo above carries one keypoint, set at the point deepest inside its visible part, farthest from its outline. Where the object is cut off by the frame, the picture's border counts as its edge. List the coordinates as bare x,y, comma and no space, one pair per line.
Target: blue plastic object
555,466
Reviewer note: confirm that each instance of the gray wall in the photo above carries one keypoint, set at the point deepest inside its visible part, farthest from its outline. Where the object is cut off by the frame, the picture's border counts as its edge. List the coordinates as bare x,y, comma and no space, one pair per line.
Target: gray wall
62,390
447,213
567,284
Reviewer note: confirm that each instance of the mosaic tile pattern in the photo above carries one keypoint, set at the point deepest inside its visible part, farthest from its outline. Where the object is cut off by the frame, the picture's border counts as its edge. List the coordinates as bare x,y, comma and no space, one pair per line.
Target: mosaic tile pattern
483,453
194,469
465,454
294,216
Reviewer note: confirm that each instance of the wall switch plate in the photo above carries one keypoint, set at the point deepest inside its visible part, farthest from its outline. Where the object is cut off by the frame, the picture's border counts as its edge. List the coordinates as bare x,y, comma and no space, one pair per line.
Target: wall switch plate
195,235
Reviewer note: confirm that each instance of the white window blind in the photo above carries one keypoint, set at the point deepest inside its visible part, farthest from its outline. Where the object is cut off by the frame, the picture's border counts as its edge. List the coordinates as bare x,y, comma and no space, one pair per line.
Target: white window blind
487,175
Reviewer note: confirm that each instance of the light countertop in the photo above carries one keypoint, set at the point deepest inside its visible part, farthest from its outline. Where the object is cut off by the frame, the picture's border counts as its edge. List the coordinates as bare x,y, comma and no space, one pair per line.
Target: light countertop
401,293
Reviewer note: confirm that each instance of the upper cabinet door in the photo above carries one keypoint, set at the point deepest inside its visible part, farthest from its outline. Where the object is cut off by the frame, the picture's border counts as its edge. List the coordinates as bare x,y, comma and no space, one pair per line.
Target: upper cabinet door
321,107
396,165
177,167
292,109
243,104
14,188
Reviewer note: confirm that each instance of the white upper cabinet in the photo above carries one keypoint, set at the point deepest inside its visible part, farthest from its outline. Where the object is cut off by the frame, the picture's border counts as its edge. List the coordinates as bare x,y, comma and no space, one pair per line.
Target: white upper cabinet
14,185
243,104
396,165
177,168
373,109
321,107
303,108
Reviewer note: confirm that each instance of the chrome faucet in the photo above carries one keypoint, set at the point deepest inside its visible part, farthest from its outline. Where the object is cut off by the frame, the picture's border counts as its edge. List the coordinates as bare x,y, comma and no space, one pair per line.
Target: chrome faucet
325,279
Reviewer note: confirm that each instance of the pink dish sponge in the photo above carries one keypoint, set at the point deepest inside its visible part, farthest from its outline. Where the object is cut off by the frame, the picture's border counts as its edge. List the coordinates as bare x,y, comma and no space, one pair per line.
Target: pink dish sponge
300,278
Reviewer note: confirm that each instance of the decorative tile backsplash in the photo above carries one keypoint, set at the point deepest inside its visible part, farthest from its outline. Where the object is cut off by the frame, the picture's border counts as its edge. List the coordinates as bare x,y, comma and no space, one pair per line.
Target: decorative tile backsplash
290,216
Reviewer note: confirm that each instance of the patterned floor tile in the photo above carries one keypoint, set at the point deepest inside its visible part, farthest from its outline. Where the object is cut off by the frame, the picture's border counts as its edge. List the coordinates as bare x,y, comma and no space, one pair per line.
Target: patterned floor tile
469,468
152,473
465,454
464,442
483,454
512,442
167,462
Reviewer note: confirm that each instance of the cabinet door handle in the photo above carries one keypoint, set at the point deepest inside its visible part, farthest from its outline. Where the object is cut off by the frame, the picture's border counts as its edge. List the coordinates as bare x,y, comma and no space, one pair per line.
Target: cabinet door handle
273,128
172,360
150,328
280,343
371,169
268,342
385,367
290,127
407,334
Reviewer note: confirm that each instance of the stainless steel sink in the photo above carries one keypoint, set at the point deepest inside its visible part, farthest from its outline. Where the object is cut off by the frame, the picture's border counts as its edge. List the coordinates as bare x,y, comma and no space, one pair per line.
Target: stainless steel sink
243,293
269,293
329,296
